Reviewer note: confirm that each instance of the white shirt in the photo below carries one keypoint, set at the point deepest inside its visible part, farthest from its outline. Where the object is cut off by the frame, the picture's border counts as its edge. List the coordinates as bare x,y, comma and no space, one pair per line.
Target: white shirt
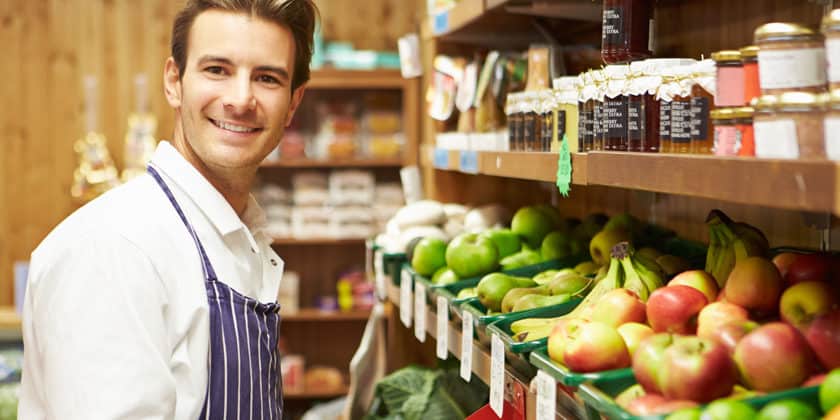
115,319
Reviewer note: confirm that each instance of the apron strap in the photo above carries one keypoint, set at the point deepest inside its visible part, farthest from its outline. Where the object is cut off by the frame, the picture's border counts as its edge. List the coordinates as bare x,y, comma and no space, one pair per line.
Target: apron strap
207,268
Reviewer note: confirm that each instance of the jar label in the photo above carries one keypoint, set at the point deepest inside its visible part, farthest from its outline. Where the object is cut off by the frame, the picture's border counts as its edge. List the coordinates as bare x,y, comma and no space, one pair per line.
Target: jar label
776,139
597,120
699,118
832,52
547,131
681,122
832,138
727,140
665,120
634,119
586,118
615,117
529,129
560,125
784,69
612,33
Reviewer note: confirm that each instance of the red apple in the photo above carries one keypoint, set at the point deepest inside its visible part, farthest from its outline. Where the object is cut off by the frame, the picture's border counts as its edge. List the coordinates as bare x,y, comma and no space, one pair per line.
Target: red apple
648,361
729,334
651,404
674,309
633,333
783,260
823,335
595,346
804,301
774,357
697,369
558,337
809,267
698,279
754,284
619,306
715,314
814,380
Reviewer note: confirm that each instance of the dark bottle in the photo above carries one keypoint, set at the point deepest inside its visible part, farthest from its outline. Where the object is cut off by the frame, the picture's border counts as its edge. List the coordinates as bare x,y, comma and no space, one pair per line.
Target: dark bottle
627,30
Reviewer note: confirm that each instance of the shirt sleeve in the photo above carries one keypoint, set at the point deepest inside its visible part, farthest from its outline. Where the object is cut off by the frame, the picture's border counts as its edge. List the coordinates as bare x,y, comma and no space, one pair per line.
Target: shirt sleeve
95,335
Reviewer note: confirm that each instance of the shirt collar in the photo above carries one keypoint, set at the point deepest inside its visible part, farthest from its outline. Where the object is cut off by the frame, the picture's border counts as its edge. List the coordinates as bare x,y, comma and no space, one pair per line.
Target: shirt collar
206,197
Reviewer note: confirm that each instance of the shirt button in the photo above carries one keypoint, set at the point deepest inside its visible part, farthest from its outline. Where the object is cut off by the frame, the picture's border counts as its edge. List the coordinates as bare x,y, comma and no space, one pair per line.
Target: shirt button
253,250
273,262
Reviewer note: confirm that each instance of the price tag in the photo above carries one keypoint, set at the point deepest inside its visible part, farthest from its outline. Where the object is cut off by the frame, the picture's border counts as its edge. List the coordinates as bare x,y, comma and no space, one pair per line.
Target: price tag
466,345
546,396
380,279
441,23
405,297
420,311
440,160
497,374
442,328
469,161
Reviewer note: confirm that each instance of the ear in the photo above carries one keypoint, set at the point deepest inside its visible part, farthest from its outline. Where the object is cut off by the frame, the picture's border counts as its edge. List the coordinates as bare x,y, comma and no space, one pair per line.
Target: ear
172,83
297,96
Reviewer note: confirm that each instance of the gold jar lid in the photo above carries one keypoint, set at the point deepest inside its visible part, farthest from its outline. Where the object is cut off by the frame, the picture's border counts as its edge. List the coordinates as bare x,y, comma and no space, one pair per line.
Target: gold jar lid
831,21
743,112
764,103
722,114
799,101
726,55
778,31
750,51
832,99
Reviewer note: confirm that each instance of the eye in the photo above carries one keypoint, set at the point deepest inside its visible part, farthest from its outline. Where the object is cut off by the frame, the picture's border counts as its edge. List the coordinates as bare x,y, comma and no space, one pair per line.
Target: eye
214,70
268,79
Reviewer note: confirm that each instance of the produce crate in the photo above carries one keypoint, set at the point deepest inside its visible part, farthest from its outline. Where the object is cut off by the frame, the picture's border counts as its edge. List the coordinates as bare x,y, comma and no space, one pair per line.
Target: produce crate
599,395
694,252
392,264
502,325
563,375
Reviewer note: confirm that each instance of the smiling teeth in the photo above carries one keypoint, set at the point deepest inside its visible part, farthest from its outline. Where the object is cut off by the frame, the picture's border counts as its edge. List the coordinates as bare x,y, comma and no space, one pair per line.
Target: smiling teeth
236,128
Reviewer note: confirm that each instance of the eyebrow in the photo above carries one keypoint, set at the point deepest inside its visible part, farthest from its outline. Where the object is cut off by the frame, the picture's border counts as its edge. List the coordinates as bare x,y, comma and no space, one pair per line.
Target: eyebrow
280,71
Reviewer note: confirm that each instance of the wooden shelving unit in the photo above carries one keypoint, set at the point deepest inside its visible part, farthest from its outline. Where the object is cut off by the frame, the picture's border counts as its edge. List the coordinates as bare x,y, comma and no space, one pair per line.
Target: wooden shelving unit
333,163
314,314
328,78
318,241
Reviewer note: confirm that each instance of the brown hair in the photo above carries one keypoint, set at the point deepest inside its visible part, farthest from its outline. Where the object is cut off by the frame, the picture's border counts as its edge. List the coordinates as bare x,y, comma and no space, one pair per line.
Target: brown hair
296,15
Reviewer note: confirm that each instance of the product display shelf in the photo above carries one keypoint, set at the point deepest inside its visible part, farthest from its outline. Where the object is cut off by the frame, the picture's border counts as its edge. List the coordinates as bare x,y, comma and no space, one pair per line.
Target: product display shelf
315,314
330,78
315,393
318,241
333,163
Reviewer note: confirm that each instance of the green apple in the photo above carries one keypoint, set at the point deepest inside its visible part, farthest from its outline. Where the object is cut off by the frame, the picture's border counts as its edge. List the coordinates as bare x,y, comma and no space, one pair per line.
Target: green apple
559,244
555,216
507,242
726,408
429,255
601,245
444,276
467,292
787,409
692,413
492,288
522,258
470,255
830,391
532,224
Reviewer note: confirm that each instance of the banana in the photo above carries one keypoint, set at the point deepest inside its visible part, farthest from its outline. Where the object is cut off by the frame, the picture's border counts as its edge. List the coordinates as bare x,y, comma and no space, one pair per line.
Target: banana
652,278
730,242
632,279
713,253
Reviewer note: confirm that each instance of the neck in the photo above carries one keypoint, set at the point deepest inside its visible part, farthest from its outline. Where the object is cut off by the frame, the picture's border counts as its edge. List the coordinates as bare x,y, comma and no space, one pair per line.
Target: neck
233,183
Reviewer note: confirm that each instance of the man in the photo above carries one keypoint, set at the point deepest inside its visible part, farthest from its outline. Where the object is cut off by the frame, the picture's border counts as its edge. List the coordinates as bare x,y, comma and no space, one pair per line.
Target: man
149,301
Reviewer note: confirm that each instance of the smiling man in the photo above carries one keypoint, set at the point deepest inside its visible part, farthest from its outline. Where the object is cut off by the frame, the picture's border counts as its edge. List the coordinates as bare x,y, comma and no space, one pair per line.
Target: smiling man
157,300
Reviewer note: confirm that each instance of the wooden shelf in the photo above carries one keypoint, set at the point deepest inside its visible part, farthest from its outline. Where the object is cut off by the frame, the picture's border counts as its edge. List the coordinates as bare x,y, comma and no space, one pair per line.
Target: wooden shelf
316,393
314,314
9,319
329,78
333,163
318,241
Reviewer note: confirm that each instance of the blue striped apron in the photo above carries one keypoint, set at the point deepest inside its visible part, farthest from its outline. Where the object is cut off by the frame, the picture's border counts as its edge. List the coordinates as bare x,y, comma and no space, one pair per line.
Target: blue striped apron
243,380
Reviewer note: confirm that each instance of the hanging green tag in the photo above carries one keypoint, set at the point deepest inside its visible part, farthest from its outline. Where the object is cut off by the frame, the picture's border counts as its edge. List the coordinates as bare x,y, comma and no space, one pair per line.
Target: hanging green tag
564,168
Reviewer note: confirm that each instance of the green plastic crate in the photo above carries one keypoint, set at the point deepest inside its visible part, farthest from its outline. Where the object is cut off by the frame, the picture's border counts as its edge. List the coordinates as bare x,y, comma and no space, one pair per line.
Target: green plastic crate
502,324
563,375
392,264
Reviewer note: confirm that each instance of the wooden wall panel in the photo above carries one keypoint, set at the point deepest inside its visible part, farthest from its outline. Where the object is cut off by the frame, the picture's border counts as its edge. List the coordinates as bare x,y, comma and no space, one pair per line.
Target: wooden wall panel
50,45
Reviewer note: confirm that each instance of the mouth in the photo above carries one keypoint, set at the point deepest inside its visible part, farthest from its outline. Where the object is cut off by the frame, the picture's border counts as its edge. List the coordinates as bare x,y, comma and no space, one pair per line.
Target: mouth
234,127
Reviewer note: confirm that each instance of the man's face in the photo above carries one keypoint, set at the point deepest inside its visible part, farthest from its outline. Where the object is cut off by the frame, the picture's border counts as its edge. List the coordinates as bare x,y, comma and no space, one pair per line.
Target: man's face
235,96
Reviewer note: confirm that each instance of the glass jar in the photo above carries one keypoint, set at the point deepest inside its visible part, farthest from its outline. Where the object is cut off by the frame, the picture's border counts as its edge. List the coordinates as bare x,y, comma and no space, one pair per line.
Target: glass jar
730,78
532,122
704,84
791,57
565,95
831,31
514,120
749,58
832,125
627,30
548,110
681,111
727,137
789,126
645,82
614,124
598,110
744,124
586,105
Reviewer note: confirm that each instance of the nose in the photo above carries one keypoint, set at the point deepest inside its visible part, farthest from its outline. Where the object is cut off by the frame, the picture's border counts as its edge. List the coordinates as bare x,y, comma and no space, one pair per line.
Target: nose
239,96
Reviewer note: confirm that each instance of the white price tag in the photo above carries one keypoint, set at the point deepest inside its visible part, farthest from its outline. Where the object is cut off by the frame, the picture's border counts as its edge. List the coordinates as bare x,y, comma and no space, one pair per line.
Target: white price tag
380,279
546,396
420,311
442,328
466,345
791,68
832,136
405,297
497,374
776,139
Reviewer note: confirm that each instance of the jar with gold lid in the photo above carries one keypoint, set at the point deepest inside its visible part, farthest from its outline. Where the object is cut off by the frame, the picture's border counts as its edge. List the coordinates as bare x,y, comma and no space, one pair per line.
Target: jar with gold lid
789,126
831,31
727,139
703,87
832,125
791,57
730,78
749,58
744,123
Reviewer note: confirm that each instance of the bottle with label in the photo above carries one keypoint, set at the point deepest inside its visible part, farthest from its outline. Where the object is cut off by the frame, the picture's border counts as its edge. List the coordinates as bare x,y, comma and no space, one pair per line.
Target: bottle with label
598,110
702,102
615,113
791,57
586,106
627,30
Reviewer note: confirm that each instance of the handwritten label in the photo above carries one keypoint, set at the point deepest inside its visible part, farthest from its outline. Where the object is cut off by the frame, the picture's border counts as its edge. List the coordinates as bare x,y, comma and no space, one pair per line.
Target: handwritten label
442,328
546,396
405,297
420,311
466,345
497,374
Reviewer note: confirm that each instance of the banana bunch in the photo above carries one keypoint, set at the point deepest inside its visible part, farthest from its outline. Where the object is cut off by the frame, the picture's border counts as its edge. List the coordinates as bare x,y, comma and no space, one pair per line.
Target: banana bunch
730,242
626,270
